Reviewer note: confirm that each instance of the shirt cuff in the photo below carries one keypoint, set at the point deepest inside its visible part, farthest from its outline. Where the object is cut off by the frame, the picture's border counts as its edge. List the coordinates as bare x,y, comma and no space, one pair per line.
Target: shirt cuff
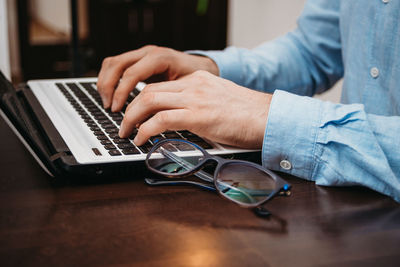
228,62
291,134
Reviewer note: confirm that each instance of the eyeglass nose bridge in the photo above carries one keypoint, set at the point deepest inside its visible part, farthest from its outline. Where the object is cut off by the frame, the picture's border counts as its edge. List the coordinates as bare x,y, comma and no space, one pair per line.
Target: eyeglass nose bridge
208,159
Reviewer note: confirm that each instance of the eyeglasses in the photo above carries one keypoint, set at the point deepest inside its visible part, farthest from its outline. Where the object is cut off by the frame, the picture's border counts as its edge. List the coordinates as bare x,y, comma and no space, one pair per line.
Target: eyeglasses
245,183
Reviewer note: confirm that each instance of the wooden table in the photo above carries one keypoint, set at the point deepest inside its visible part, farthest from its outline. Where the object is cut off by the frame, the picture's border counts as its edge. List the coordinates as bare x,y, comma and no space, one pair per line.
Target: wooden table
123,222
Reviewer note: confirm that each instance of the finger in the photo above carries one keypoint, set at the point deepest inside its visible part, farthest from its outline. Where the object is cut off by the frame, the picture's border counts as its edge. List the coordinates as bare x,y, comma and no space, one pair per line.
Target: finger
148,104
112,70
170,86
176,119
140,71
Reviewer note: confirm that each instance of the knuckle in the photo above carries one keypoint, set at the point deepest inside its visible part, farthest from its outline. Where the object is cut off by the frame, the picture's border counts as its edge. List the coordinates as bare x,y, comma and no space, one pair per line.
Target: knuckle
162,118
148,98
145,130
200,73
149,46
160,53
127,74
158,50
147,88
201,77
107,62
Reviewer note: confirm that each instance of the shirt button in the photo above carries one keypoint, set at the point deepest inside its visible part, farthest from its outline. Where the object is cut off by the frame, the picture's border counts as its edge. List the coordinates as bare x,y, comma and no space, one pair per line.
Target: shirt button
385,1
374,72
285,164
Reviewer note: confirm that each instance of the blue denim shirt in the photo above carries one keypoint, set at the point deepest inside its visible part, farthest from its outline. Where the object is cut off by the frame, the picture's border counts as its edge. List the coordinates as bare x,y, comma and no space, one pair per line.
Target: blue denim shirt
356,142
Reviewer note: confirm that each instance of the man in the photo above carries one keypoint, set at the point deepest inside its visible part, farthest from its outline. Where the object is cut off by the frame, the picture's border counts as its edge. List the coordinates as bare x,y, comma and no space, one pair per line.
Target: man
354,143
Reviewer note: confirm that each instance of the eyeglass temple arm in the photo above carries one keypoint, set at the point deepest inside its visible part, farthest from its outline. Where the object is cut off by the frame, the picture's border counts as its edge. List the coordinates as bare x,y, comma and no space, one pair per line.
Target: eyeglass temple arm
151,181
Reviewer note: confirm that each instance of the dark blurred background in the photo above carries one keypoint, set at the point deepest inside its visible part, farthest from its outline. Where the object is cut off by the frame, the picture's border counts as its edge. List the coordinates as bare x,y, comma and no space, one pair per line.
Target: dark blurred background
71,38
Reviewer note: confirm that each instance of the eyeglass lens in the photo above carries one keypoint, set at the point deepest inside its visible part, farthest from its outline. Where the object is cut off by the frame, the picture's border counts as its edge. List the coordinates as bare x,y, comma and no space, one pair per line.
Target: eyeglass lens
244,183
175,157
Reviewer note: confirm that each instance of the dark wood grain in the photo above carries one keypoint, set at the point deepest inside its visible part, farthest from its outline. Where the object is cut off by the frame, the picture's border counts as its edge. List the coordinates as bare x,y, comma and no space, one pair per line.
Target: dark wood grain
123,222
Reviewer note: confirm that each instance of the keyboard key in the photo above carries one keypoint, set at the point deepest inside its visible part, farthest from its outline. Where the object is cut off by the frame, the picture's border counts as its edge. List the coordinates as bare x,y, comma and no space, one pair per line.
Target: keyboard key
85,116
94,110
94,128
172,135
104,121
113,135
146,147
187,134
102,137
97,113
91,124
204,145
97,133
112,130
125,145
100,117
109,147
121,141
106,142
114,152
130,151
116,115
109,126
195,139
170,147
184,147
200,142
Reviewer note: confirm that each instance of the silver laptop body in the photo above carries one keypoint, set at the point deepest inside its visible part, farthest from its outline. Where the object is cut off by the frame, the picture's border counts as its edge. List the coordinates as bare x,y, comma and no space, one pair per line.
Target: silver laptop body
90,132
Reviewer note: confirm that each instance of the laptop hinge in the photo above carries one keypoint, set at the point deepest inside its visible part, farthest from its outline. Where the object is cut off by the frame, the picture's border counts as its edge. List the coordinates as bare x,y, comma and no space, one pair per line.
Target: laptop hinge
20,87
58,155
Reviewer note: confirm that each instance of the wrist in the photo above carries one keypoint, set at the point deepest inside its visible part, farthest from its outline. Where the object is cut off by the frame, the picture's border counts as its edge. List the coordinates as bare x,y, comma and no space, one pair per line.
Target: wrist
210,66
201,62
262,122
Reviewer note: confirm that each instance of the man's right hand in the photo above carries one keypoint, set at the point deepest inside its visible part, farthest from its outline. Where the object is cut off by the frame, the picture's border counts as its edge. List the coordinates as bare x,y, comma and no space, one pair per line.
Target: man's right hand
120,74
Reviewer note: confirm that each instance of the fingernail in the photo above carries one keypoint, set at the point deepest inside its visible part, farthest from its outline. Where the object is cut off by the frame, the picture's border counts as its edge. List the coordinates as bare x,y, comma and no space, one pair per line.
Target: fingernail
136,140
114,106
104,100
121,130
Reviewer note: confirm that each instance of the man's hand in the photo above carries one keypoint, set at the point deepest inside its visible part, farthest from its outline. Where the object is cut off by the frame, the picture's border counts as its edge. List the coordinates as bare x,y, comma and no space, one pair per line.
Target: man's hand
120,74
202,103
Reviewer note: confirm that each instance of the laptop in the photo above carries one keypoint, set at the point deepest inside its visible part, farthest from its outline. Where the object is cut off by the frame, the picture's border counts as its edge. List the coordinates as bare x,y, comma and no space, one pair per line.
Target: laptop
64,126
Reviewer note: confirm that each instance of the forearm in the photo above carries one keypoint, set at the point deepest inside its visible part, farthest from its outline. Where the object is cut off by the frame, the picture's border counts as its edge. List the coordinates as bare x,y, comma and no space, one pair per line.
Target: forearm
333,144
305,61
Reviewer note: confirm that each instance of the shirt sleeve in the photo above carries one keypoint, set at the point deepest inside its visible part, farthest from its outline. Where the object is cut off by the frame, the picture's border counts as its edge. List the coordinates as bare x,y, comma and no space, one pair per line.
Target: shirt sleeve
332,144
305,61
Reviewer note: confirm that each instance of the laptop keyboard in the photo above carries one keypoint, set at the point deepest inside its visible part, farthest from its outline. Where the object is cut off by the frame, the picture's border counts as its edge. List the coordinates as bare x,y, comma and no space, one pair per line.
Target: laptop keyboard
104,124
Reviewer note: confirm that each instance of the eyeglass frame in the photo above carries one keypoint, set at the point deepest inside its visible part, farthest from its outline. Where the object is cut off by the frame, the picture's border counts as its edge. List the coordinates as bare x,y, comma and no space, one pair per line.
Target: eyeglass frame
280,184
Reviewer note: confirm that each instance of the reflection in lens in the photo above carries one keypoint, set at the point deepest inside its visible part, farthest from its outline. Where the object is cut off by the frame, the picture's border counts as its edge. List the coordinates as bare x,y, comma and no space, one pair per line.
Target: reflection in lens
175,158
244,183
